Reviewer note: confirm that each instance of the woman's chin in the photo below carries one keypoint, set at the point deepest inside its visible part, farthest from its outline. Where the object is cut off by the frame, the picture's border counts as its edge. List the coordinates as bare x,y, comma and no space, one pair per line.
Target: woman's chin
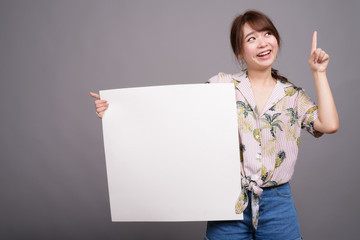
259,67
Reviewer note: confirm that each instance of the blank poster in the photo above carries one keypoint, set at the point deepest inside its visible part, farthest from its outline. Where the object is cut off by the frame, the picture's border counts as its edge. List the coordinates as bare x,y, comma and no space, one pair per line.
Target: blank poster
172,152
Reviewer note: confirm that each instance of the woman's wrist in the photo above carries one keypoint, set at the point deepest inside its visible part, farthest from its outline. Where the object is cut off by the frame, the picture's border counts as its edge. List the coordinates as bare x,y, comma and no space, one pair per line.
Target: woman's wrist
319,75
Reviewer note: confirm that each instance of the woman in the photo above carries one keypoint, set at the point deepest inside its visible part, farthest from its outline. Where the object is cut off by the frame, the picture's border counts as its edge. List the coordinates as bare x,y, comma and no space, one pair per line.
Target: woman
271,113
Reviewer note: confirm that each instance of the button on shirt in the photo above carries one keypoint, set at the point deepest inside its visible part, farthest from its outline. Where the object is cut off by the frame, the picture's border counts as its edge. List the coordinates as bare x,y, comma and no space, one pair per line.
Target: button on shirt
269,141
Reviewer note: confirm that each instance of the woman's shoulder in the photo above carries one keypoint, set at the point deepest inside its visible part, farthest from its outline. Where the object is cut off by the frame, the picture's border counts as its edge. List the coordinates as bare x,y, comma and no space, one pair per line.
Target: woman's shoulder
290,88
222,77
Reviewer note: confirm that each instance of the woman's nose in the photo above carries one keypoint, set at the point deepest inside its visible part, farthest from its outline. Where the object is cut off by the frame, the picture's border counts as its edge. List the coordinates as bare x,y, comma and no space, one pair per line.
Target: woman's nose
262,42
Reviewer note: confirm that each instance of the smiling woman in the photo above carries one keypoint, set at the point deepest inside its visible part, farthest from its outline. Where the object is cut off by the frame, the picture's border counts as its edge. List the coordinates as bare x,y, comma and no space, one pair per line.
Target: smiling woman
270,134
271,113
254,22
259,49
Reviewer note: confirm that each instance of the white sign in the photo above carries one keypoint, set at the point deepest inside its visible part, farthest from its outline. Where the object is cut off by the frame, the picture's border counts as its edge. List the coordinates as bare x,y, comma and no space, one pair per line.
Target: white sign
172,152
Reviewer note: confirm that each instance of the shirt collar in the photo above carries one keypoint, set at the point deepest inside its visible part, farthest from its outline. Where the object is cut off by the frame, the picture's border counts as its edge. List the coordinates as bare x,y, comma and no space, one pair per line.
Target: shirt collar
242,83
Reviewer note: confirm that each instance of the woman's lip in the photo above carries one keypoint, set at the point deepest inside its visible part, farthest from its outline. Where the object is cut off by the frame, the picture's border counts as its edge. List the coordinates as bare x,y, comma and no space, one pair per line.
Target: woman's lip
264,56
264,52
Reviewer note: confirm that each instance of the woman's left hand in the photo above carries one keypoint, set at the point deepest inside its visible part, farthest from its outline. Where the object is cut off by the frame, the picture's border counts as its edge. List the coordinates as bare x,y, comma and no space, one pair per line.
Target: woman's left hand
319,59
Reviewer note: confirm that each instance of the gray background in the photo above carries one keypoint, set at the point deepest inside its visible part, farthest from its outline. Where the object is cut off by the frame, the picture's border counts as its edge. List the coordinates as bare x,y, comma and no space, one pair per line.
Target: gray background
52,53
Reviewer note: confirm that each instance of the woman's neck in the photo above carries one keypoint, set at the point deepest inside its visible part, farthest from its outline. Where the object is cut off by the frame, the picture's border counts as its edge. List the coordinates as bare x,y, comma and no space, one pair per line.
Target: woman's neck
261,77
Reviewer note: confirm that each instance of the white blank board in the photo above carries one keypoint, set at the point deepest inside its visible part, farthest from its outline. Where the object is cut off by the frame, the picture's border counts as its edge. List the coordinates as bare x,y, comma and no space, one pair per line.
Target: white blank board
172,152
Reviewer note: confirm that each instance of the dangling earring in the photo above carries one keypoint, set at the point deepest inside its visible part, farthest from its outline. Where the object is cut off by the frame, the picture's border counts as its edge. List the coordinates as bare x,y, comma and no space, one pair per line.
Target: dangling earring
242,64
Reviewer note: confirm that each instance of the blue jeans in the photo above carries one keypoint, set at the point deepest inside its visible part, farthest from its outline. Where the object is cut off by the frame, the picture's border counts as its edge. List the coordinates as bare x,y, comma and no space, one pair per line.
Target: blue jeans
277,219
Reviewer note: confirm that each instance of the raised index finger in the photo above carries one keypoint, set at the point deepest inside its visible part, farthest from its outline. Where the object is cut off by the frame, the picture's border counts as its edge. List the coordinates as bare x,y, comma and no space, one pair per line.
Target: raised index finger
314,42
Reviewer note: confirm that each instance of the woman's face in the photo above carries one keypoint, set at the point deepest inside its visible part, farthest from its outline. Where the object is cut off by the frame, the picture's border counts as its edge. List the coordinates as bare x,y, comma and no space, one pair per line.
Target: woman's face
259,49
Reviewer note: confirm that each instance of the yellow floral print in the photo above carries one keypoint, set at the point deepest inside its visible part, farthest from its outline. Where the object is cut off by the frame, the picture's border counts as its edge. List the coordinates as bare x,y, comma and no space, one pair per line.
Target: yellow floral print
256,134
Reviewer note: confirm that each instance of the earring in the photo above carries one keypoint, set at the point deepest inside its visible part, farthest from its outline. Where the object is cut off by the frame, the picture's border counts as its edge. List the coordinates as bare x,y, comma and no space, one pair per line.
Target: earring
242,64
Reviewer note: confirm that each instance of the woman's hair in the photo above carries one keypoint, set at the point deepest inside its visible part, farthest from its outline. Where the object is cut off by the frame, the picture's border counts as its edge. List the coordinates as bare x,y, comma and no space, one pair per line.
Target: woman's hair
259,22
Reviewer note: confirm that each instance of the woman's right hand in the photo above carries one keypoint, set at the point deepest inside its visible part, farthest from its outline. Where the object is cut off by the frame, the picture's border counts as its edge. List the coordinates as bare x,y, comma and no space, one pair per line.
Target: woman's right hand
100,105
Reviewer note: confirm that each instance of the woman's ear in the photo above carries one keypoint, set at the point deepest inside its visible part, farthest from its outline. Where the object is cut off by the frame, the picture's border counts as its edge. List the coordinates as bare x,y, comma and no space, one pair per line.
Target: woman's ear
239,56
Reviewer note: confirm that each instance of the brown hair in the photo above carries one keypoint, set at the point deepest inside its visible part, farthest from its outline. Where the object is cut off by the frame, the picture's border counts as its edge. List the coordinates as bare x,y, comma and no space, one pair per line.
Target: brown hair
259,22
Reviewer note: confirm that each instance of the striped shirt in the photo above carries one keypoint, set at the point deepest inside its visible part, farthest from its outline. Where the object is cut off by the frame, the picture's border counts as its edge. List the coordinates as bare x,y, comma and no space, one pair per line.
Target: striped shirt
269,141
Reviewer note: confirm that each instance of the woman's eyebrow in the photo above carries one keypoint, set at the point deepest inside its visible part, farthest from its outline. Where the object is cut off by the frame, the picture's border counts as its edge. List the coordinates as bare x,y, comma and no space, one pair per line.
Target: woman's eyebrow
249,34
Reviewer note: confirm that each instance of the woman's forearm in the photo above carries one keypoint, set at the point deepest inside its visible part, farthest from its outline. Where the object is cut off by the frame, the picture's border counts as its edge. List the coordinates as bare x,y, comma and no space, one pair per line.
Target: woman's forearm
328,119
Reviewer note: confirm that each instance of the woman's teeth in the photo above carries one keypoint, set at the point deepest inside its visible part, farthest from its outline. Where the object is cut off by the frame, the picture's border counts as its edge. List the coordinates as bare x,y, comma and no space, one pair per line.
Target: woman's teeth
264,53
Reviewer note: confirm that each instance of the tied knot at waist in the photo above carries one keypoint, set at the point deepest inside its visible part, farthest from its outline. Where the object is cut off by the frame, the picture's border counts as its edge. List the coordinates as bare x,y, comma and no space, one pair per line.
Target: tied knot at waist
256,191
253,186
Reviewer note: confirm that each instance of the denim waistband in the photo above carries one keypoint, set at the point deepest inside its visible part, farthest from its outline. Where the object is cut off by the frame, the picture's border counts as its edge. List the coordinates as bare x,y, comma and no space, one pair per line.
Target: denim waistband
256,191
277,186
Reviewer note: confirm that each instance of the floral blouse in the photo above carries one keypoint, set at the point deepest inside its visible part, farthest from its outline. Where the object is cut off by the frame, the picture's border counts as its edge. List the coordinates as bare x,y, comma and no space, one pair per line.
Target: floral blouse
269,141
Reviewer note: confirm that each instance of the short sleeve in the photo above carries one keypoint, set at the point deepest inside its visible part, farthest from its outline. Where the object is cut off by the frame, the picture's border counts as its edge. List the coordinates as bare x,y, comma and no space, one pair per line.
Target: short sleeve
213,79
220,78
308,113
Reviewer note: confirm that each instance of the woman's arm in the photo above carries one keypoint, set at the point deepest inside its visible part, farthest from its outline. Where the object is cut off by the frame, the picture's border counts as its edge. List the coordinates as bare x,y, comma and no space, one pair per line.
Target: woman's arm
328,119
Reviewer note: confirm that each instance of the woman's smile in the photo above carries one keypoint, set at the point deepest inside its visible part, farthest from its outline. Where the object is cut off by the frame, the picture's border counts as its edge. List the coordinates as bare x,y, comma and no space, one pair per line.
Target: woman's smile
264,54
259,48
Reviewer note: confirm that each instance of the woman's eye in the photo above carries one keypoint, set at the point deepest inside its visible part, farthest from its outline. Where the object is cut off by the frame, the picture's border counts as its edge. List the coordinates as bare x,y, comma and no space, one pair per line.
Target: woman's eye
268,34
251,39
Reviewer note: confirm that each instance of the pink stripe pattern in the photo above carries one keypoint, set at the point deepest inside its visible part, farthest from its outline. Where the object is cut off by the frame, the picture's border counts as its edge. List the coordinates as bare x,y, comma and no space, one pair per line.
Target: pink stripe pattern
269,141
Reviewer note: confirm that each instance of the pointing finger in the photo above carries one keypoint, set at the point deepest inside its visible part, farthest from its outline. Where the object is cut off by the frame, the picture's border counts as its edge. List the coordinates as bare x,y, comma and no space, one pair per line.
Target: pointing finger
314,42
